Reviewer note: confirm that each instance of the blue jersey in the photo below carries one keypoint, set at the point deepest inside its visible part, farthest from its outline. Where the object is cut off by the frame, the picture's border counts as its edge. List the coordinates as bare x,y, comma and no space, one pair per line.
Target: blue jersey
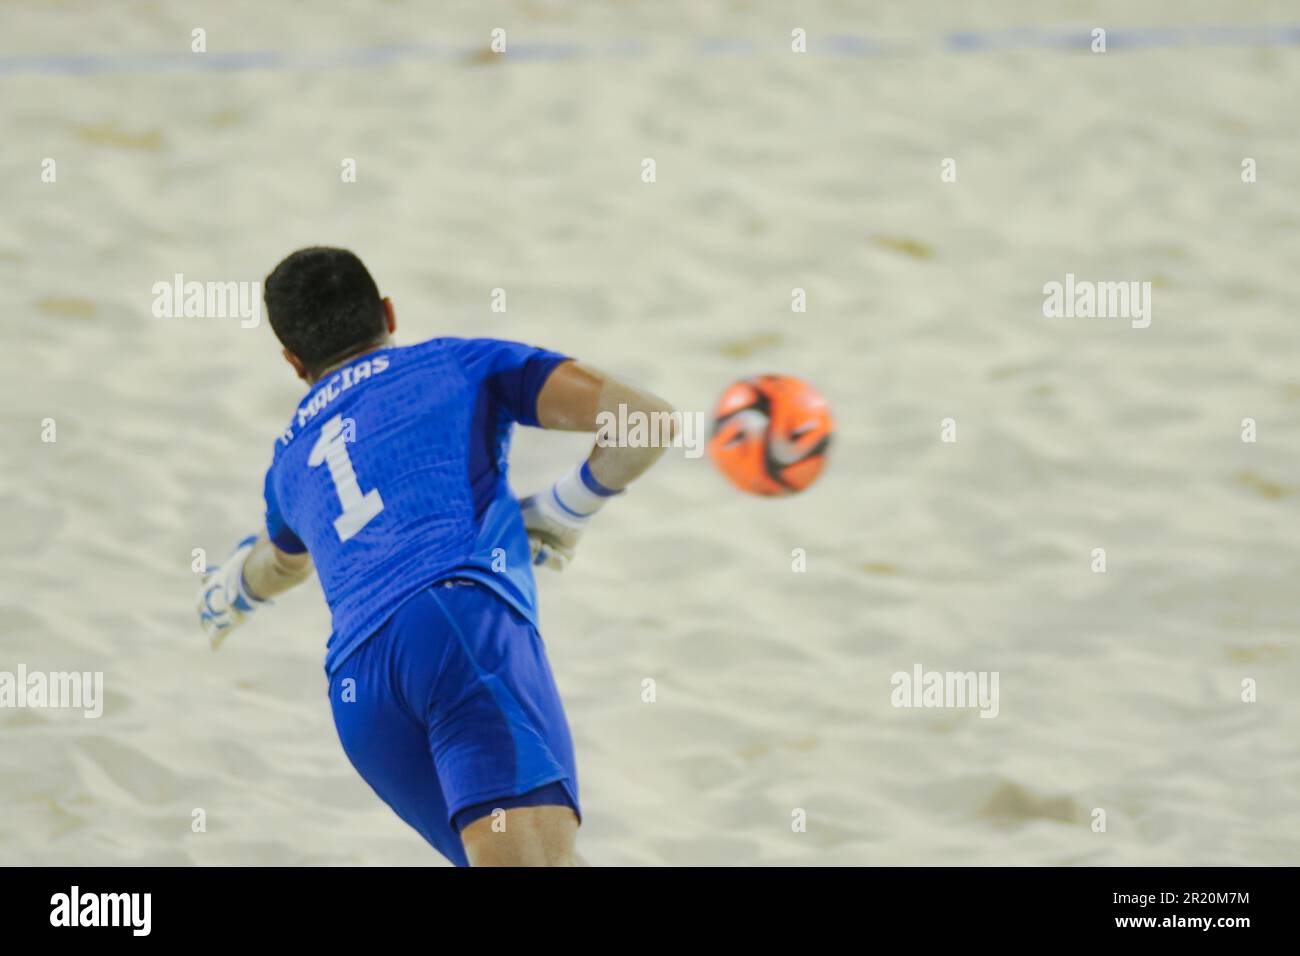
392,474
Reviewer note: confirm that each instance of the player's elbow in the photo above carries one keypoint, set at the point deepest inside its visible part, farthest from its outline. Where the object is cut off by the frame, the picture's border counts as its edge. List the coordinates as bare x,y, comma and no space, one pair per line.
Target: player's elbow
664,419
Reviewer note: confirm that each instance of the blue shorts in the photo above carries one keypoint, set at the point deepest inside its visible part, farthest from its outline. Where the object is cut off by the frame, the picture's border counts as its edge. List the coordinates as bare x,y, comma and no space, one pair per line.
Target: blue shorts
449,711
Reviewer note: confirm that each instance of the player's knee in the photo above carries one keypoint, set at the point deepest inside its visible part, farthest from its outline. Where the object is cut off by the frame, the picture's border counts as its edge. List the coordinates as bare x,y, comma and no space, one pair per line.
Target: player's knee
523,836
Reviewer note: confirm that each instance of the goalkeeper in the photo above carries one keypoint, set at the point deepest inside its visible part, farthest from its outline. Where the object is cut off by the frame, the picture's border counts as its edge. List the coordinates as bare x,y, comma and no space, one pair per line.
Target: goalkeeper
390,480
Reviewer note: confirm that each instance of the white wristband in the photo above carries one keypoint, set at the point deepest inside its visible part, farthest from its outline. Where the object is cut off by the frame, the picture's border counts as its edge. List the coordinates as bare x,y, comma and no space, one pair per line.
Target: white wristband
579,495
237,591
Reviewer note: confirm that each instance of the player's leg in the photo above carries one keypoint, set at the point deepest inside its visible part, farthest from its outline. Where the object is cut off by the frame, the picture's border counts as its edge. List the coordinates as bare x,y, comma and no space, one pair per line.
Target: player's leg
523,836
388,746
499,736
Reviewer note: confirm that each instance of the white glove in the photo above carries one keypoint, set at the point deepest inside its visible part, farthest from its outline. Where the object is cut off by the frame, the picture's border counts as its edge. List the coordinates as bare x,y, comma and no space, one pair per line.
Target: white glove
224,599
556,518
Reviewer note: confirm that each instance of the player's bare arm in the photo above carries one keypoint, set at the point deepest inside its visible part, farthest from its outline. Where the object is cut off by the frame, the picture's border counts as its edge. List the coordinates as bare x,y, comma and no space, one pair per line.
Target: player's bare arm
577,397
574,399
268,571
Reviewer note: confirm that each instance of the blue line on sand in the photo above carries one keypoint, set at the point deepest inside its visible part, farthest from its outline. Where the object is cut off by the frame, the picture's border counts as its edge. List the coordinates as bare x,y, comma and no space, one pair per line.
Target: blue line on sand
837,45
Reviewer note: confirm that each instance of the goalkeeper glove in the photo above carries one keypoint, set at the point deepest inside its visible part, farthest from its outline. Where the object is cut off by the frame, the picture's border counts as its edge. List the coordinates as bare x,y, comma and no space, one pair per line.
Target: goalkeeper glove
224,599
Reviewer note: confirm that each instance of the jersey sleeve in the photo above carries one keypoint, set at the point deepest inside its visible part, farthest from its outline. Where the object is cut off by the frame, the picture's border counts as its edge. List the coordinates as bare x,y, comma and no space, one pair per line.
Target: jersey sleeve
513,373
281,535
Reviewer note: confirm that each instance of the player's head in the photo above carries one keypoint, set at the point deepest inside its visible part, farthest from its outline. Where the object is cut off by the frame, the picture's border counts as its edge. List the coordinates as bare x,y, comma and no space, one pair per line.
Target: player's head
323,307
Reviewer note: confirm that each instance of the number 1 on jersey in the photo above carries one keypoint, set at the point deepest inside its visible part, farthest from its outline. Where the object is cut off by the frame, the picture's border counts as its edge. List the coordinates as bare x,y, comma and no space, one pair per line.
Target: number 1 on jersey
331,449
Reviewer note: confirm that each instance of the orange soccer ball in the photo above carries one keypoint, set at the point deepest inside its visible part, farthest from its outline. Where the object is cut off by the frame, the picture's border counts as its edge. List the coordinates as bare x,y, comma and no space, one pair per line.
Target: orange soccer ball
770,434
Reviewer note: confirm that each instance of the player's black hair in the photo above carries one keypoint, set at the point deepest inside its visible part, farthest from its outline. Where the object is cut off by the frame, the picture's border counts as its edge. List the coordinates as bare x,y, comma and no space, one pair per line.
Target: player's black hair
322,304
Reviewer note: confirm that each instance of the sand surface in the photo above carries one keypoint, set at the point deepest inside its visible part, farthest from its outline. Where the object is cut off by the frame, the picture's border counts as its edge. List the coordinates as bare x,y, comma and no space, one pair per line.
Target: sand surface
1119,691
